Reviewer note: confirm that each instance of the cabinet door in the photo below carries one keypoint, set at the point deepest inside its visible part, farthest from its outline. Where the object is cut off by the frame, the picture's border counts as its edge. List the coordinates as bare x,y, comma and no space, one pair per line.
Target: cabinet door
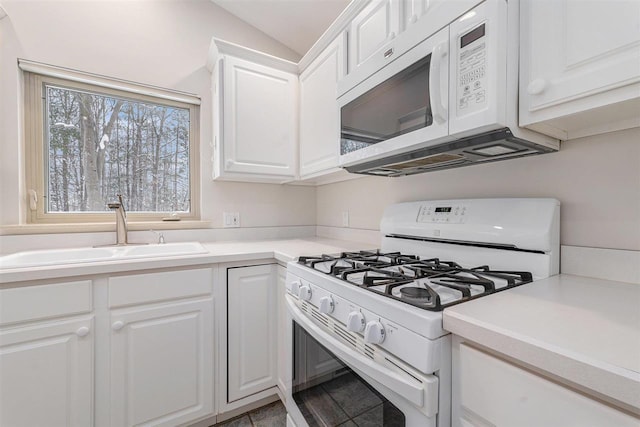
574,49
46,374
431,14
372,29
260,119
493,392
281,328
162,364
251,317
319,112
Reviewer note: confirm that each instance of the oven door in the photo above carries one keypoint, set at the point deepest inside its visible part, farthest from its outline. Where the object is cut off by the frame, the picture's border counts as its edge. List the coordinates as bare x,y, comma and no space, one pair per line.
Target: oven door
331,384
402,107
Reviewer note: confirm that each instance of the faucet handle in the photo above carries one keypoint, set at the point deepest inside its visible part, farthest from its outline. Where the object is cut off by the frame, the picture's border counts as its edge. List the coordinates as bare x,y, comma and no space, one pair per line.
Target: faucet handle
160,236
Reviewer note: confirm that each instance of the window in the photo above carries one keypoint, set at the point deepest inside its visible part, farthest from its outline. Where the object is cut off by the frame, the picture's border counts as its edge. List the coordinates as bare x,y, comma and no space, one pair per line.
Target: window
90,139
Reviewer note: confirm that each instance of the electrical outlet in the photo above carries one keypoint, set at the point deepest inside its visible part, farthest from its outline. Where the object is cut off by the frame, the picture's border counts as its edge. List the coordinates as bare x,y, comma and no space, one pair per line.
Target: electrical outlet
345,218
231,219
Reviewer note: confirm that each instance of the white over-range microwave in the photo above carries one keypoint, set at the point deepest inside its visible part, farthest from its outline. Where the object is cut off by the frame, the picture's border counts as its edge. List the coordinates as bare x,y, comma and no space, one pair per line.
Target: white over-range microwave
447,100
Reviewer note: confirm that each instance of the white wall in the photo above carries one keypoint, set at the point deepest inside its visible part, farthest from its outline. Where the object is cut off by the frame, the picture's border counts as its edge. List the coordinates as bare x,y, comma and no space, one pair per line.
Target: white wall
596,179
162,43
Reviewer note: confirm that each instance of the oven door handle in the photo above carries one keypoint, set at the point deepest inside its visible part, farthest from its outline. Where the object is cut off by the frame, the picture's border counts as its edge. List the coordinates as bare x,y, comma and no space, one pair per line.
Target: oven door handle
413,391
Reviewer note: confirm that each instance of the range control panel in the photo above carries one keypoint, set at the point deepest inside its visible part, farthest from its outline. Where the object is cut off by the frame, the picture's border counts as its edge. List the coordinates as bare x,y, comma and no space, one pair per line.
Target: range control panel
472,70
450,214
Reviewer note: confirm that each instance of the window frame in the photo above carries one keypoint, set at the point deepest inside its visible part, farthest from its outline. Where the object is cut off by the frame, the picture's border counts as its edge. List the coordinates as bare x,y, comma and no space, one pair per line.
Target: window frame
35,134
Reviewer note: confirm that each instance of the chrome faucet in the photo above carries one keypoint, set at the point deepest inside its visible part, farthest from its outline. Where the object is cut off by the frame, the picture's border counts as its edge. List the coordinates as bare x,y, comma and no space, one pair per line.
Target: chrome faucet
121,221
160,237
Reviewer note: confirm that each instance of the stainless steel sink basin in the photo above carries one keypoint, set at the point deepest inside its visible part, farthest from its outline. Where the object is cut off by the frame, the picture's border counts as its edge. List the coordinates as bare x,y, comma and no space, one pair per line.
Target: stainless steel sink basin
87,255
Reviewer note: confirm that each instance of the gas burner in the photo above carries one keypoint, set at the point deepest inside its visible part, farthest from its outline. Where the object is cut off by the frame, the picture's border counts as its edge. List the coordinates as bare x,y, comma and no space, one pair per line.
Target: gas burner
431,284
415,294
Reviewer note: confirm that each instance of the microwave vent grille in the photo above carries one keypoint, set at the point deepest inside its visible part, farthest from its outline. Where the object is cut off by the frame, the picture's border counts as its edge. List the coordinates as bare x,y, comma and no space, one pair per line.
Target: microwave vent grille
427,161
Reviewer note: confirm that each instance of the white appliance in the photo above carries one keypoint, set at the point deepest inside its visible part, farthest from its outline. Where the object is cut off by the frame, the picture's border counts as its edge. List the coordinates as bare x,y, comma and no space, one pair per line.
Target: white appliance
366,343
449,100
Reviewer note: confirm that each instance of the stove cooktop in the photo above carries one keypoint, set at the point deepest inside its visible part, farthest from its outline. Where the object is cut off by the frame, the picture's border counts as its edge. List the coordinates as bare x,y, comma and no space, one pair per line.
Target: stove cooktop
430,284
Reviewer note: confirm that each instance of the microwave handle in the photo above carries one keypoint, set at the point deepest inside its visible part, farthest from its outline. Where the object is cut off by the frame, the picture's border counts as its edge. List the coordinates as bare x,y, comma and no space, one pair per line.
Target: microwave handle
413,391
435,85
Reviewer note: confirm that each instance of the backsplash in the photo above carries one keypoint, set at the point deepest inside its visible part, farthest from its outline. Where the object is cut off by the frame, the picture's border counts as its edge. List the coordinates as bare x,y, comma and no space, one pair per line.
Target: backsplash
596,179
29,242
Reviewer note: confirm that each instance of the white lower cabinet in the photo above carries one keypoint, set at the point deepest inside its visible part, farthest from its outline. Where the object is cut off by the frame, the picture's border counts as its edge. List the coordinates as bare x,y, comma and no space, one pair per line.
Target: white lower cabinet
281,291
46,374
161,347
162,364
251,330
488,391
124,350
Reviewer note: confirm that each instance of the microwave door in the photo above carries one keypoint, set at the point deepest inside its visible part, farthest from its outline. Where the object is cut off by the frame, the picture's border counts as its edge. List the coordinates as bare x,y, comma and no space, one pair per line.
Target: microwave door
403,105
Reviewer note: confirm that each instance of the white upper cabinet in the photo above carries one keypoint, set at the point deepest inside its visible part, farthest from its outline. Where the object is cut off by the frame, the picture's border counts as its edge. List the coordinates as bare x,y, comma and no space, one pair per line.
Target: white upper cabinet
431,15
255,115
319,112
371,31
579,66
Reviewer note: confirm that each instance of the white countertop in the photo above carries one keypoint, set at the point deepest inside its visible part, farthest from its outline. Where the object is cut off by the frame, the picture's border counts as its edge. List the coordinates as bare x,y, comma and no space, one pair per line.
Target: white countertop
219,252
577,329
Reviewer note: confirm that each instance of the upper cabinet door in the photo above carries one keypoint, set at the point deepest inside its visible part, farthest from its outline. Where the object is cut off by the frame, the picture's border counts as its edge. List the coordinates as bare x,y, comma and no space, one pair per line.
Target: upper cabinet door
259,126
319,112
371,30
432,15
573,50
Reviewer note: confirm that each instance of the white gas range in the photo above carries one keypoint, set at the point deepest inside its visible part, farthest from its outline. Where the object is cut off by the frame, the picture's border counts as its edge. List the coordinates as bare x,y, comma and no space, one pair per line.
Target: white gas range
367,345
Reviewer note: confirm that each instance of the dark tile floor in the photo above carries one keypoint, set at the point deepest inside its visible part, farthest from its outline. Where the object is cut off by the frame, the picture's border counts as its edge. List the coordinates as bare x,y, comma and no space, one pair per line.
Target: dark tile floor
273,415
346,401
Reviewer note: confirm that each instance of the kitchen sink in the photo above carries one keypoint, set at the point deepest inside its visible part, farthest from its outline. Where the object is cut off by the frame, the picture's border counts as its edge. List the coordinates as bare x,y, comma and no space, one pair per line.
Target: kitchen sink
165,249
100,254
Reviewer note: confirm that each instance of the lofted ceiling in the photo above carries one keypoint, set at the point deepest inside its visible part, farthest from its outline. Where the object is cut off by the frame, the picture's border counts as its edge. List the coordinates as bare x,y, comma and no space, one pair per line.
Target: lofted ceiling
296,24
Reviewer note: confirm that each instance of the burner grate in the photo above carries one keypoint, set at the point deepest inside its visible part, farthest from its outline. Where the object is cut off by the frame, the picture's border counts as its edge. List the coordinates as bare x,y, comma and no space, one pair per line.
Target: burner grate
388,273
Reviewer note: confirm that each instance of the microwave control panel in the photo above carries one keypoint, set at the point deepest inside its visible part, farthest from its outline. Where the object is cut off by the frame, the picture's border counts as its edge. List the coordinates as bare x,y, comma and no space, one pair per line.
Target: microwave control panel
472,71
450,214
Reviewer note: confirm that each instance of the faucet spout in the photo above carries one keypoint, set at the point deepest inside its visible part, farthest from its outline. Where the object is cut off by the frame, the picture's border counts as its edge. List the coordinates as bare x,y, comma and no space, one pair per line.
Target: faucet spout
121,220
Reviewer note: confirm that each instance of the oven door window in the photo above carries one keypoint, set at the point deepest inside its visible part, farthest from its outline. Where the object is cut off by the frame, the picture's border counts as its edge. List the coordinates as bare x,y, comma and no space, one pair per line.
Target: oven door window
399,105
329,393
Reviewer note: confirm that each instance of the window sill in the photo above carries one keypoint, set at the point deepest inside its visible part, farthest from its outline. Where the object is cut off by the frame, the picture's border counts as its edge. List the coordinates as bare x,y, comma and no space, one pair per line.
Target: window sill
20,229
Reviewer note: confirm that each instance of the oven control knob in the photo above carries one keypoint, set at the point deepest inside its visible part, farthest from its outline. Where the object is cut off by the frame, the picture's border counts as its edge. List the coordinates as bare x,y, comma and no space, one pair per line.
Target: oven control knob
326,305
355,321
374,332
305,292
294,288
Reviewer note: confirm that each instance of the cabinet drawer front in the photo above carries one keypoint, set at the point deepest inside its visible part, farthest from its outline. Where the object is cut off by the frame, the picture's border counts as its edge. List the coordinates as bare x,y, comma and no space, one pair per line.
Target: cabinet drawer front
153,287
44,301
495,392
